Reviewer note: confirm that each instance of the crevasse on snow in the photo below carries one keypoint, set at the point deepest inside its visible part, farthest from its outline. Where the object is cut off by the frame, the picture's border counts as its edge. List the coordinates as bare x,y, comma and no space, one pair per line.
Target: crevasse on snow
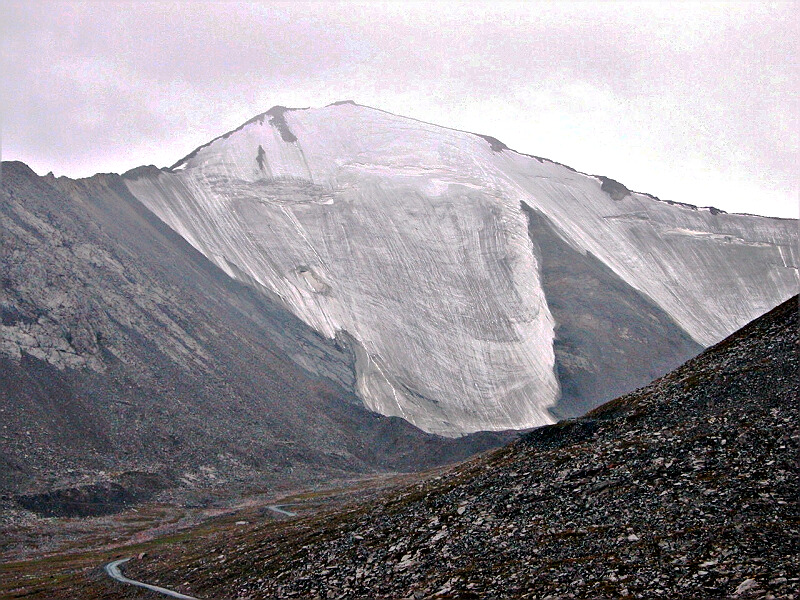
411,238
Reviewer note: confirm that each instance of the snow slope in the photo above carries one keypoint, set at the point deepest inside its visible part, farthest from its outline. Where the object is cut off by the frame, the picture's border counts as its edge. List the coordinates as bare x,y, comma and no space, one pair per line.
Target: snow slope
410,242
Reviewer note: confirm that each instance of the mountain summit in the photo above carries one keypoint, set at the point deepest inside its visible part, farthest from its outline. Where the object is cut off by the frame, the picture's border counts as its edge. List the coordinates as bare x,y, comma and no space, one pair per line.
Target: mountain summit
478,288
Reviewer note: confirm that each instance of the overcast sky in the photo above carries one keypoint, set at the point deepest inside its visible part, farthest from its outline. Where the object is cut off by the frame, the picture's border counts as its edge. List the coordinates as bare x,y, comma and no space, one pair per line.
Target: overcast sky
690,102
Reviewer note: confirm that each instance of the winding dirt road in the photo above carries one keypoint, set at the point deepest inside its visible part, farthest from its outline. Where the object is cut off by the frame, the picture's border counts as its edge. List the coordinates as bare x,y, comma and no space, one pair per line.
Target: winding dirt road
113,568
114,572
277,509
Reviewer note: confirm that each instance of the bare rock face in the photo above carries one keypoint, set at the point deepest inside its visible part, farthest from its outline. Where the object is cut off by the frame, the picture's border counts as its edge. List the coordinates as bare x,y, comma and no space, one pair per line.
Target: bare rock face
64,291
416,243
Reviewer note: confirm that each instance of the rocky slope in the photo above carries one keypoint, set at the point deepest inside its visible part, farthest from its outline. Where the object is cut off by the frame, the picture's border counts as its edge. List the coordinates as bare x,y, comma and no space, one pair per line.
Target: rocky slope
687,488
129,364
479,286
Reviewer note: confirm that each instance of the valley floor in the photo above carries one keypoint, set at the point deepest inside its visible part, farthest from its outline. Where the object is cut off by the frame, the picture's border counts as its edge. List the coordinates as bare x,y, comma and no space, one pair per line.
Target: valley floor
64,557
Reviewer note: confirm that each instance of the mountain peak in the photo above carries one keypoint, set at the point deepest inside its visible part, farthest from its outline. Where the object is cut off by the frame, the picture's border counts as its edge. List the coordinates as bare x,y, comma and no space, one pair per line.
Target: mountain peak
443,256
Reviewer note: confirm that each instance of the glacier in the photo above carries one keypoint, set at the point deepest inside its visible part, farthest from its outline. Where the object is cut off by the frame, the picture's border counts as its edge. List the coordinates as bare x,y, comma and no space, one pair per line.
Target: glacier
410,243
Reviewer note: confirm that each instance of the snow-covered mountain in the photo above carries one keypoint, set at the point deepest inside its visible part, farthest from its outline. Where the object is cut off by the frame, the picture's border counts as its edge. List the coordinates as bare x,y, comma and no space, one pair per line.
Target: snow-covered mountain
479,288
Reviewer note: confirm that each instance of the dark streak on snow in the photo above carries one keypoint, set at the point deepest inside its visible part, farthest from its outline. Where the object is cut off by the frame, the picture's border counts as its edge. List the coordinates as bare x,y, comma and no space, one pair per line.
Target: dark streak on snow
497,145
277,118
260,157
613,188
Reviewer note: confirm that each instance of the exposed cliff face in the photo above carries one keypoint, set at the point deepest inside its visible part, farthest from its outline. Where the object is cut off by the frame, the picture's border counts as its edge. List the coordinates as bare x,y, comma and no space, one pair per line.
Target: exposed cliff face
415,241
609,337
